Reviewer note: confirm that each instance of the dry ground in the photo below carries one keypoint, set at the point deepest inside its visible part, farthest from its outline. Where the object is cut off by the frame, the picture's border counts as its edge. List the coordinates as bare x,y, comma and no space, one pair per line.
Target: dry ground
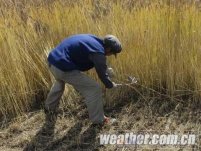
73,131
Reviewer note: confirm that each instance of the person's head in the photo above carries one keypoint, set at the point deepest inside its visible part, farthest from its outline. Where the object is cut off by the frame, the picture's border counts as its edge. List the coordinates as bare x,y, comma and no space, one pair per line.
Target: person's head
112,45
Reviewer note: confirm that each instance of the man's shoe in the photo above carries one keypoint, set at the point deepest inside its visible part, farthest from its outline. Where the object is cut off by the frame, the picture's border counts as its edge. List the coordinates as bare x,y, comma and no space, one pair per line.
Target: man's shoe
50,115
47,111
106,122
109,121
53,111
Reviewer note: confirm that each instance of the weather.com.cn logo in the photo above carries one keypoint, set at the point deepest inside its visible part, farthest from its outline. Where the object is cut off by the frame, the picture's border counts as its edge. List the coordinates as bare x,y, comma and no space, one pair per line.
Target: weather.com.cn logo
148,139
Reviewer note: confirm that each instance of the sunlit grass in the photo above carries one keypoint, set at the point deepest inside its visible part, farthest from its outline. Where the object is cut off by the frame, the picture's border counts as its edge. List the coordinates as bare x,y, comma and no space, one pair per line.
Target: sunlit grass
161,47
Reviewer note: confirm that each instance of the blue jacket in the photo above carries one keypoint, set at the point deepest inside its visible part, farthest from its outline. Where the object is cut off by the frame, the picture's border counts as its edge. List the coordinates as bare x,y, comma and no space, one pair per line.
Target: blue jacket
73,52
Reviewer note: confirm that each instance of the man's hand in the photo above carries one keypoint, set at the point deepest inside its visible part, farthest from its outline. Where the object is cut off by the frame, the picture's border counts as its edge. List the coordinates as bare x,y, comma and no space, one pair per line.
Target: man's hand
110,72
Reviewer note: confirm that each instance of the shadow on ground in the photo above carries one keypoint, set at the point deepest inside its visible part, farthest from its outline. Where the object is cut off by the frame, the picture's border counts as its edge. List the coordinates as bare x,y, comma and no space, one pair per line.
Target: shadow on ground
43,137
82,135
76,138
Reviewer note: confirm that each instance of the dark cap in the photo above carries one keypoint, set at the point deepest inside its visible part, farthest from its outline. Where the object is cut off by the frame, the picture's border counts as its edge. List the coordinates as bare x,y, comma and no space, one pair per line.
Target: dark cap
110,41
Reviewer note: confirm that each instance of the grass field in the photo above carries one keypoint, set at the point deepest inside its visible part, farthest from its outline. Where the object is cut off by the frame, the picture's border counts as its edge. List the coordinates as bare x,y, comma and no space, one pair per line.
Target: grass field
161,47
161,43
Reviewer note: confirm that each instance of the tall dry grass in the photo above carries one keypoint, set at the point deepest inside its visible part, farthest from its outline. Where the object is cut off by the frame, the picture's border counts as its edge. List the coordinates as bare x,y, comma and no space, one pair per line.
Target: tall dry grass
161,42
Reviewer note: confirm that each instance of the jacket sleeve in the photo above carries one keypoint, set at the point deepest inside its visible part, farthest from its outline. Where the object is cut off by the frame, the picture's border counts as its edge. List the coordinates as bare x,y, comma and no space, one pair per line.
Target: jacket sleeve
100,65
